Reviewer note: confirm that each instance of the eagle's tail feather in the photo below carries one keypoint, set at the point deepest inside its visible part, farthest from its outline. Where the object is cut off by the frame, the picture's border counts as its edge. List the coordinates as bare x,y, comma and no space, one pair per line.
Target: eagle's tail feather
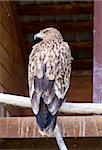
46,121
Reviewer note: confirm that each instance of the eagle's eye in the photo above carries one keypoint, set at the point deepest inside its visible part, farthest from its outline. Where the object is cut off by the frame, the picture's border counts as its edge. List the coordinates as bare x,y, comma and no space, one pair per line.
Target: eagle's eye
45,31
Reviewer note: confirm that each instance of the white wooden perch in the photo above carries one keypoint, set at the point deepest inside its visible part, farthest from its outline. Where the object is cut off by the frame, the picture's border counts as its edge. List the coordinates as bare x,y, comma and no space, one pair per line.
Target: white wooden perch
68,108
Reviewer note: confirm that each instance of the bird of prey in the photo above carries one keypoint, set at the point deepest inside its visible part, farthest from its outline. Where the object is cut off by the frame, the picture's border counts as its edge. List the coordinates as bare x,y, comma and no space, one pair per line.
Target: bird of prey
49,73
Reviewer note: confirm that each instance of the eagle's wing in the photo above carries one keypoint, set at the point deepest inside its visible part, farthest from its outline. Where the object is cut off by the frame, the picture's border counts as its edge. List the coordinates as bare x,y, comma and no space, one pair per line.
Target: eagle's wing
49,78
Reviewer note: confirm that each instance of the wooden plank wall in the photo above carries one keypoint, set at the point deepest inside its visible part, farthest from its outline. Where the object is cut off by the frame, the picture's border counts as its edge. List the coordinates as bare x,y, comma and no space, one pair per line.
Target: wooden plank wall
12,69
81,87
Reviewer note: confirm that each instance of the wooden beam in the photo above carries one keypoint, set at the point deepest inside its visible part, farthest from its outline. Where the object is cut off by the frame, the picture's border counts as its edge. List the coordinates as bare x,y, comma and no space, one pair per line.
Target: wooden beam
75,126
63,9
76,26
82,64
93,143
66,107
81,46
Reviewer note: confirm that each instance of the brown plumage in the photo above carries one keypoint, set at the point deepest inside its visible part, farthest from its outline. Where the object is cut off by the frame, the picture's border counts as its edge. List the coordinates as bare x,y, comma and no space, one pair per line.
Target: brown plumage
49,72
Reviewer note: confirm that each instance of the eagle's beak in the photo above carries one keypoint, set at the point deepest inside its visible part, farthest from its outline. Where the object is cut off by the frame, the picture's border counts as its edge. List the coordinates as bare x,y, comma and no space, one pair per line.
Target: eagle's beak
38,35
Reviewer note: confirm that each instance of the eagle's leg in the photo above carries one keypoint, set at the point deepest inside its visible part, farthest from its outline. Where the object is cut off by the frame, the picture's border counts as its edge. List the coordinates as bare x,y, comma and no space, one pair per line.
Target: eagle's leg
59,138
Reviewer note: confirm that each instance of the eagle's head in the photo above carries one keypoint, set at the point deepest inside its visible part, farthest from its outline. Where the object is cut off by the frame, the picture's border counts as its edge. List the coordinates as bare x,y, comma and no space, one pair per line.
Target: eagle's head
48,33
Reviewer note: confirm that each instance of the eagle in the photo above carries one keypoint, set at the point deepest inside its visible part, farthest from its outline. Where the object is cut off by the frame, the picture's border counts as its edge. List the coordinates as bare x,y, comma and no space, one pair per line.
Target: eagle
49,71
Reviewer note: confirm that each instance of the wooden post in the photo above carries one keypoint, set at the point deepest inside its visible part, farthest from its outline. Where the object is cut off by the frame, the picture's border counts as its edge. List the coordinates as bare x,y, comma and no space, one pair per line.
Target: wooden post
97,67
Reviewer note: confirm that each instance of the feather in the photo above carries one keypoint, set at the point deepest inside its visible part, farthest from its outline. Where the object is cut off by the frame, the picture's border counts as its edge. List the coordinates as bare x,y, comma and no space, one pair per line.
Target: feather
45,119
